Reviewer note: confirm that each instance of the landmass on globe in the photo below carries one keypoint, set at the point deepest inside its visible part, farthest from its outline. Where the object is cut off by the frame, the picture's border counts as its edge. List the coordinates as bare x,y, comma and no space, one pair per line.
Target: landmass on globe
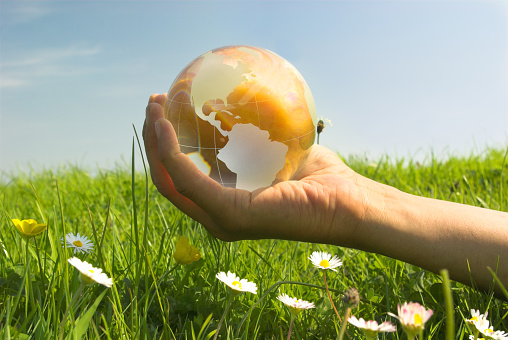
244,115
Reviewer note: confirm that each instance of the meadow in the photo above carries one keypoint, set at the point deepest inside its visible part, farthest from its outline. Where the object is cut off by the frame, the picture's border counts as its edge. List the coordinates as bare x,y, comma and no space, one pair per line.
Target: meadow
134,231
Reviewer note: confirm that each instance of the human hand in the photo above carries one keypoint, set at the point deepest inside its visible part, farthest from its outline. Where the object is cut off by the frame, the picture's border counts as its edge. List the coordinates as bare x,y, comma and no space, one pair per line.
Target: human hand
327,202
323,203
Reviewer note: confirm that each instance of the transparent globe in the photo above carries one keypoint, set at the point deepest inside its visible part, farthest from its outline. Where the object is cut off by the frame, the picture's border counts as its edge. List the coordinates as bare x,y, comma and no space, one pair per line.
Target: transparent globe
244,115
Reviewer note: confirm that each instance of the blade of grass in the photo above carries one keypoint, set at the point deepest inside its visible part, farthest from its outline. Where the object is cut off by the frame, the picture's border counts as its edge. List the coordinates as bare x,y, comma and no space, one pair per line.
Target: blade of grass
450,313
98,251
145,221
65,266
105,224
135,231
501,286
83,321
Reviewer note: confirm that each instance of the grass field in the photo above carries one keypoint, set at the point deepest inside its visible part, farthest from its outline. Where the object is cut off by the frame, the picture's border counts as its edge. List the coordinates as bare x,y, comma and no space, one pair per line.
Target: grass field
134,231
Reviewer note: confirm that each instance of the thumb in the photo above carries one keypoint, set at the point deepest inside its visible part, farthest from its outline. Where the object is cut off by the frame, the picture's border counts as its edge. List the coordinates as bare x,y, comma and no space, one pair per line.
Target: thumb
188,180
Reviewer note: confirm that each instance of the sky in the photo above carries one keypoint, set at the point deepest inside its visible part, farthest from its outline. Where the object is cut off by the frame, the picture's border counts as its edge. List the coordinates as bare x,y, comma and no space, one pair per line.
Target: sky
398,78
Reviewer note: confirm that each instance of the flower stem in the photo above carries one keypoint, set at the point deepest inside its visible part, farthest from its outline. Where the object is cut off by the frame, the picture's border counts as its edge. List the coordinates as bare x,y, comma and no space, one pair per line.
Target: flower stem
291,326
41,272
344,323
330,296
62,324
28,277
228,306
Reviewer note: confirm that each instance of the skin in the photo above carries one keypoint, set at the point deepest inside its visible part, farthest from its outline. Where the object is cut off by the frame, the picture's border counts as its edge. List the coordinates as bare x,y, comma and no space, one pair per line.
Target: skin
329,203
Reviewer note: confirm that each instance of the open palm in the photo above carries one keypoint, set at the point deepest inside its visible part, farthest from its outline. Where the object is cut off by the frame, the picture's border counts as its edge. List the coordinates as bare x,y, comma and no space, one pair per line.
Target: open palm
323,203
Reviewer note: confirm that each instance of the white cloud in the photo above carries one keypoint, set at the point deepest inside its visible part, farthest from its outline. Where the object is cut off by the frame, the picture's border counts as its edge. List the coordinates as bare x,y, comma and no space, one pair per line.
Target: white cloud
8,82
23,69
24,12
49,56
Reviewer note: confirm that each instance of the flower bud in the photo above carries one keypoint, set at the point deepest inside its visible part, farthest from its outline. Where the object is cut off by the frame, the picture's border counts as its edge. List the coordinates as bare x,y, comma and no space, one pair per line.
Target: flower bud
351,298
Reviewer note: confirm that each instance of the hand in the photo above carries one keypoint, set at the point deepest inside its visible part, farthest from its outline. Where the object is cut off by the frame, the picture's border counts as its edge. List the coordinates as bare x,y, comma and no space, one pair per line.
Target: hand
324,203
329,203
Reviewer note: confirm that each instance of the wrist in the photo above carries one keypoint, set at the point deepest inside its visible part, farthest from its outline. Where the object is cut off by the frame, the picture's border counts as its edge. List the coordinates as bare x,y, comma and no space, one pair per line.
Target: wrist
367,208
383,219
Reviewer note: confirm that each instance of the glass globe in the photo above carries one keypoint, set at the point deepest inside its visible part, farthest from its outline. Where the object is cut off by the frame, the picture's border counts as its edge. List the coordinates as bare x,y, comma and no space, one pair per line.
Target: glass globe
244,115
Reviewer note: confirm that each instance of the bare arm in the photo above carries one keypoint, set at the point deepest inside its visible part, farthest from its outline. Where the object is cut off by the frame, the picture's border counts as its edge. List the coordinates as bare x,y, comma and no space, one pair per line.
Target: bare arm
435,234
330,203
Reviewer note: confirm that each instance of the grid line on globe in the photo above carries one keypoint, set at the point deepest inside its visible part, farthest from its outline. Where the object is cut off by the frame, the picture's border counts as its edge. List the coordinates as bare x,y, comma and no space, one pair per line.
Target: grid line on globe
244,115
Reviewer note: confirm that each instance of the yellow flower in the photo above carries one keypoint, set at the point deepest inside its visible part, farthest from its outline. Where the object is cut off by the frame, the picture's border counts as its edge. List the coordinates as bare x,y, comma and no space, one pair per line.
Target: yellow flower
185,253
28,228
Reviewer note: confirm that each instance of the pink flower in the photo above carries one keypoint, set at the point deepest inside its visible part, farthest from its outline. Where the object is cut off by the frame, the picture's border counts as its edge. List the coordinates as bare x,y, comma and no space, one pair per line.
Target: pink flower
413,317
371,328
295,305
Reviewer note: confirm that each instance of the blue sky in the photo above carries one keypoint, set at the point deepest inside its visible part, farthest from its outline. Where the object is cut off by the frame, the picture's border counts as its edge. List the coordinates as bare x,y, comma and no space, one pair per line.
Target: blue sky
400,78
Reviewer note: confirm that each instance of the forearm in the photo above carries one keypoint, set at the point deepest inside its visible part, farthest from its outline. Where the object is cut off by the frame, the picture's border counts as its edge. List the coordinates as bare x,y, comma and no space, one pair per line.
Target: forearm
436,235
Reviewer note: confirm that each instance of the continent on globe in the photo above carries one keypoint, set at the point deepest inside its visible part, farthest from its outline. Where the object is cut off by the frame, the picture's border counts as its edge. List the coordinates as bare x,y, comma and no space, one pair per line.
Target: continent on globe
244,115
248,142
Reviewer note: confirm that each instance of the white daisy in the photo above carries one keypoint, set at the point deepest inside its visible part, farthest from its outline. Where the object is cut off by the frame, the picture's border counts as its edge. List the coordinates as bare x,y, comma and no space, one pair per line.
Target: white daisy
497,335
325,260
295,305
490,333
371,328
90,274
78,242
236,284
482,325
478,321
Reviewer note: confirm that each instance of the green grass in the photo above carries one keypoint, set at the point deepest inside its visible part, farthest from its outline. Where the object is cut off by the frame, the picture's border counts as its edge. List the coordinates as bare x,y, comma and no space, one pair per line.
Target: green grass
134,230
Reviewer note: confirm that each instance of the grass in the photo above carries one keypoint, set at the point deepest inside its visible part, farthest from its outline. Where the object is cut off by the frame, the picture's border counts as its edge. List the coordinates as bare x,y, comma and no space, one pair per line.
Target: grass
135,230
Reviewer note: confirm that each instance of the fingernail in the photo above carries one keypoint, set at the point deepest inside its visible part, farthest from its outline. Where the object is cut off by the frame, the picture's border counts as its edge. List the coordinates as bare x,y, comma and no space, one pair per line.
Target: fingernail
147,111
157,128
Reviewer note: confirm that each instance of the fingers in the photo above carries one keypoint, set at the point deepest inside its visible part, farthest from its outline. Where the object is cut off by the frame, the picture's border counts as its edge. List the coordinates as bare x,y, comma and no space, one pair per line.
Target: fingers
195,193
187,179
160,176
179,180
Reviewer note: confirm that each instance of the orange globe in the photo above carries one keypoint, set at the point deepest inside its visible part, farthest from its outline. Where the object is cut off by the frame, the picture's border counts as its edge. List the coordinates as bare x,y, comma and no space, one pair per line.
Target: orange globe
244,115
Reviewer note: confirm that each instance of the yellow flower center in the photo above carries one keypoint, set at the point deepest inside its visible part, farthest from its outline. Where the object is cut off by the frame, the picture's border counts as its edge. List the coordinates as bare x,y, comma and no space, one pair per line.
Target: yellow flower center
474,318
91,271
237,284
418,319
487,331
324,263
78,243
